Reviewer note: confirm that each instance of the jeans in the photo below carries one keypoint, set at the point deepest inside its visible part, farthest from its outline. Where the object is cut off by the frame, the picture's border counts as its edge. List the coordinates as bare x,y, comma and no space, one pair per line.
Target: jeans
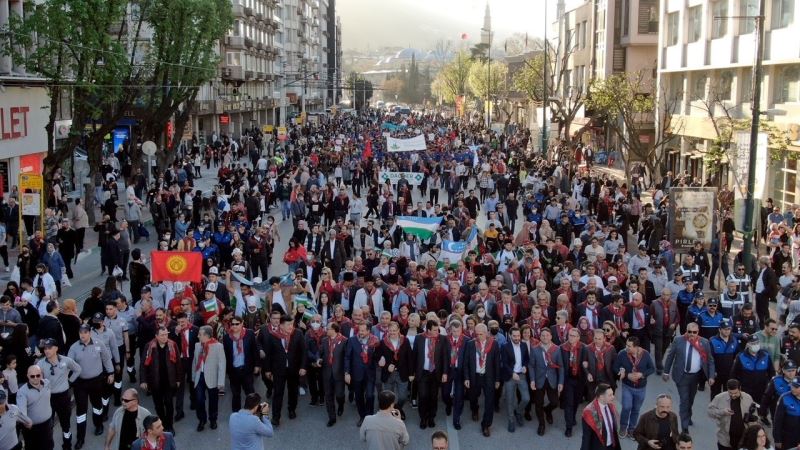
632,399
286,209
511,387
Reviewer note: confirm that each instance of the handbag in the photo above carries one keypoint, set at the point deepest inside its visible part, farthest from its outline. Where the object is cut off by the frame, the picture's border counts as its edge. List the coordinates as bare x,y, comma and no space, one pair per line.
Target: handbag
117,272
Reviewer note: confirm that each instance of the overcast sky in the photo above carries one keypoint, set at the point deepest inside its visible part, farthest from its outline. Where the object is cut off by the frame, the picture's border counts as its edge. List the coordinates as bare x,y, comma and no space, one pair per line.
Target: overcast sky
419,23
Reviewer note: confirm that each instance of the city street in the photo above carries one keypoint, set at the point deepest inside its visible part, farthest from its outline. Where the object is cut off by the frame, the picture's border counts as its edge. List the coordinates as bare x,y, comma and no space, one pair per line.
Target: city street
294,434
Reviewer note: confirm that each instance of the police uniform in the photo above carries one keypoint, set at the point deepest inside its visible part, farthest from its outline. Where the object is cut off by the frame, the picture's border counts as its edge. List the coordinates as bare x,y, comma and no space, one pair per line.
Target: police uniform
743,284
107,338
779,385
791,349
8,424
119,327
95,361
60,375
130,316
786,430
724,352
753,370
709,324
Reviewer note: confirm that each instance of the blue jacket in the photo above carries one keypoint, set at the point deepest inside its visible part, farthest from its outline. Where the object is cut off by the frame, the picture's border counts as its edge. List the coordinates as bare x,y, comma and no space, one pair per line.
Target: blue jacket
54,264
354,365
507,359
646,367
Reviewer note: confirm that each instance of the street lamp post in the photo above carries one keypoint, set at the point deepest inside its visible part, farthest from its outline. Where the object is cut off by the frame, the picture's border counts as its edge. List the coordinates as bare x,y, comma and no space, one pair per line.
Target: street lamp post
544,87
754,125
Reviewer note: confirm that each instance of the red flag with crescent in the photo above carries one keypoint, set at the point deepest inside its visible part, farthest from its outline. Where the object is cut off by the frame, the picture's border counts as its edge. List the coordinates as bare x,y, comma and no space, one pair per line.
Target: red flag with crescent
176,266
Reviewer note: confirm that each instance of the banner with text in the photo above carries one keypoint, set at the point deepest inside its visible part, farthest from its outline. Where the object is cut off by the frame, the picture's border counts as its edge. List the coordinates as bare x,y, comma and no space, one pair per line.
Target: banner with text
406,145
414,178
691,216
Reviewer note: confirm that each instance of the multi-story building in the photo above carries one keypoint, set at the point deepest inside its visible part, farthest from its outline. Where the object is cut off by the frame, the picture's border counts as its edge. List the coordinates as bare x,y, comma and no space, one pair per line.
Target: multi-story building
706,58
601,38
24,112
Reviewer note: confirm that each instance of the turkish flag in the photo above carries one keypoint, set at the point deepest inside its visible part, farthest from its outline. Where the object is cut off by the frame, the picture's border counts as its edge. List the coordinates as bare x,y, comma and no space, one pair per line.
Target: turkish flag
176,266
367,150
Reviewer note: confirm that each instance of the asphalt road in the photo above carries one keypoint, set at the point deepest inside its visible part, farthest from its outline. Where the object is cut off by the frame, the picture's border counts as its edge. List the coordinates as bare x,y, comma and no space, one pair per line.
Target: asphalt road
309,431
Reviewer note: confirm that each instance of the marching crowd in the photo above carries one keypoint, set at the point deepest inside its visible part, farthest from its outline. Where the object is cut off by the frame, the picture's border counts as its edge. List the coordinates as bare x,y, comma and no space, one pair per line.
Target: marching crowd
566,295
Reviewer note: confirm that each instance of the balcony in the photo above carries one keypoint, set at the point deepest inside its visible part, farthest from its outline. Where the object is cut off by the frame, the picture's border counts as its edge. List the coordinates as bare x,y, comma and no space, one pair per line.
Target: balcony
299,32
234,42
237,10
260,75
248,42
249,74
299,11
248,11
259,46
303,19
259,17
303,39
232,73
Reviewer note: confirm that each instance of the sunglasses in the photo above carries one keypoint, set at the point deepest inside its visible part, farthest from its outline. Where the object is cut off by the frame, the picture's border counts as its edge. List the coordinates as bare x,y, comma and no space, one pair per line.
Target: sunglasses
236,324
127,400
607,330
35,376
692,332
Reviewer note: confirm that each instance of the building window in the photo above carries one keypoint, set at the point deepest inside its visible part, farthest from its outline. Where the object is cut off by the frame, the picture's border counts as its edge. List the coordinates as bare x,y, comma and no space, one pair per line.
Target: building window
237,28
695,23
788,85
699,88
648,16
673,27
747,8
725,88
583,34
233,58
719,19
785,183
676,88
626,13
746,86
782,13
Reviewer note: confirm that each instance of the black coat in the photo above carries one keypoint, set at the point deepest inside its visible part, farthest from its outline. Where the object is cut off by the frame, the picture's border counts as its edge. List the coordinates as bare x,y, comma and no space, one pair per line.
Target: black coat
404,362
249,346
492,363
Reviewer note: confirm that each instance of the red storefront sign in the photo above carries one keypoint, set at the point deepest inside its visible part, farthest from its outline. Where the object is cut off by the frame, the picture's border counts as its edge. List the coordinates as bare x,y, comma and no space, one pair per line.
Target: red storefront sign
224,119
14,122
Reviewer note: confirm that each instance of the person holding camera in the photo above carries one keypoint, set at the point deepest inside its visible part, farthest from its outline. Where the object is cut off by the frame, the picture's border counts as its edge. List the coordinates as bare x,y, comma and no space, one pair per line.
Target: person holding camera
732,409
658,428
251,424
386,429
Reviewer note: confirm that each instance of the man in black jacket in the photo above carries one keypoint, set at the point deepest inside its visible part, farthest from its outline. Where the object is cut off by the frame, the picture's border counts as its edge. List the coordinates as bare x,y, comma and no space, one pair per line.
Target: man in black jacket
766,286
50,327
185,335
113,252
432,355
285,363
482,374
241,355
67,240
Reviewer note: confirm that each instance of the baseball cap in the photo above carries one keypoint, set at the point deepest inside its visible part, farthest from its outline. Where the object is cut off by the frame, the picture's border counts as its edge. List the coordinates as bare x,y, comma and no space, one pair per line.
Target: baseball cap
726,323
85,327
789,365
145,289
98,317
49,342
752,339
213,270
713,302
795,383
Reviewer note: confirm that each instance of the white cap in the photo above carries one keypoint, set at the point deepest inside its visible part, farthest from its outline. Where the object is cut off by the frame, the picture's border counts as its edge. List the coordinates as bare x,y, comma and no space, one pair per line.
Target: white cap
178,286
213,270
577,242
252,301
211,287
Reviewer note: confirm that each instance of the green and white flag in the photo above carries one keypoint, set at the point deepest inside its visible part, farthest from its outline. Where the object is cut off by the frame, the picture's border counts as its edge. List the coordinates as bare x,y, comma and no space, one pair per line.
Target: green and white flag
421,227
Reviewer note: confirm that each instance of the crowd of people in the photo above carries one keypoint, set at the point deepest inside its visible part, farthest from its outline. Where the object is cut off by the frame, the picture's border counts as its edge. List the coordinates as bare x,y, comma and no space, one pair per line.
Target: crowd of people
567,296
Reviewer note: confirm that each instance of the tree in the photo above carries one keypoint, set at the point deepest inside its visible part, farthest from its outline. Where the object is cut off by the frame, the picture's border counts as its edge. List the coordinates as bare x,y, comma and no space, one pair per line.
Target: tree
183,57
360,90
452,80
74,46
628,102
487,79
530,79
392,88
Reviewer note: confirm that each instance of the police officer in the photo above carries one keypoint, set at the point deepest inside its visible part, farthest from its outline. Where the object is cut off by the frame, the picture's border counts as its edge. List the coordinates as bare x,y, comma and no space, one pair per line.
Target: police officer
710,319
95,361
127,312
118,325
778,386
10,416
60,371
724,347
754,368
33,400
790,346
745,324
105,336
786,431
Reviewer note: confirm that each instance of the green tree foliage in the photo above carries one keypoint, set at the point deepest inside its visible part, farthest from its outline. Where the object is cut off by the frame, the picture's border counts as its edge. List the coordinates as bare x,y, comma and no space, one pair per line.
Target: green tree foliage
360,90
453,79
484,79
530,79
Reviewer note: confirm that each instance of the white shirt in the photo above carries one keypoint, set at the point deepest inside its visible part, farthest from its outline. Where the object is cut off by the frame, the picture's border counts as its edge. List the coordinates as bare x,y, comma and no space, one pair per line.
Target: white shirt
517,357
760,282
277,297
695,365
609,426
376,300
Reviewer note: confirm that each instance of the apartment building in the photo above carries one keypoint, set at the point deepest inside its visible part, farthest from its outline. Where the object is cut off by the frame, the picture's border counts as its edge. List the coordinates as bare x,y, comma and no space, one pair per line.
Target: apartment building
706,59
601,38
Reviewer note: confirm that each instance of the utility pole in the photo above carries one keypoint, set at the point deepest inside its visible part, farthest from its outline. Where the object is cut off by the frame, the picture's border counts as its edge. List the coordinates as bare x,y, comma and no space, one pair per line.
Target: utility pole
755,105
545,92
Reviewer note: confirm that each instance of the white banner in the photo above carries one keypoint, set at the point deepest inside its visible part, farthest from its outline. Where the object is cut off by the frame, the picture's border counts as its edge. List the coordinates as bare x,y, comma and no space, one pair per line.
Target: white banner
742,164
406,145
414,178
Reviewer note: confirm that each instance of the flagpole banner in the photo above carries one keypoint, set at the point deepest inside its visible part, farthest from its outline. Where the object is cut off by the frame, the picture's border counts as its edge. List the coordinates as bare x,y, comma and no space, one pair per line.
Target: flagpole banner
406,145
691,216
176,266
392,126
452,251
413,178
422,227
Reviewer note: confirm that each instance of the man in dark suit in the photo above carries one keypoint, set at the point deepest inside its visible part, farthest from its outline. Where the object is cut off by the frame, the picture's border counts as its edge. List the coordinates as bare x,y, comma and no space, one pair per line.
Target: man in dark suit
688,359
766,286
547,377
333,254
286,362
331,357
599,421
185,335
453,388
600,357
431,370
264,338
513,369
482,374
396,362
646,287
241,355
389,208
360,369
311,269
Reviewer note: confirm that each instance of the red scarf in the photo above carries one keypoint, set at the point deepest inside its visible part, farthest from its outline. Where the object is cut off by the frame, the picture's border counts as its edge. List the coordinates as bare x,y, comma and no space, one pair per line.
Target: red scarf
635,364
151,348
695,342
160,443
600,356
483,350
595,317
549,355
281,336
640,315
455,347
372,342
563,334
239,342
537,325
593,416
574,356
332,343
619,316
665,307
390,346
316,335
201,358
430,352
